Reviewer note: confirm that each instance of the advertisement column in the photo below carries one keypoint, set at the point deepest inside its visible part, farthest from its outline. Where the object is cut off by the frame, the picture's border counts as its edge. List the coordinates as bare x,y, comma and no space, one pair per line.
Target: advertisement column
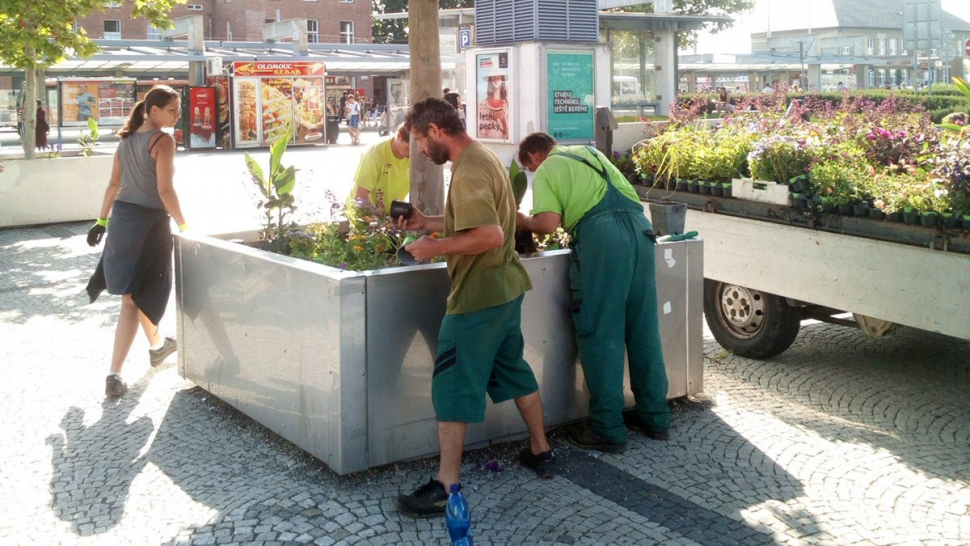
570,100
493,118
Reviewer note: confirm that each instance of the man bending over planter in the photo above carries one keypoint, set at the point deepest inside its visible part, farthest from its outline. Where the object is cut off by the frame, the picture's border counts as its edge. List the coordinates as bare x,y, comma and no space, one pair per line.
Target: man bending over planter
613,282
384,172
480,343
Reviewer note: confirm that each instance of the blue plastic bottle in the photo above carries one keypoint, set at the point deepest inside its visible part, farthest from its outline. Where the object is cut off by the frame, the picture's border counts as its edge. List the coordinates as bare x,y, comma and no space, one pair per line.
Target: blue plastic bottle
458,518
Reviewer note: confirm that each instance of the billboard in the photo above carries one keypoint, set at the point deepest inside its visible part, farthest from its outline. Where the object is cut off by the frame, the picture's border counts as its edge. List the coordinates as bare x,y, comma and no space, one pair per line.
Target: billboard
570,100
493,117
107,101
256,68
202,111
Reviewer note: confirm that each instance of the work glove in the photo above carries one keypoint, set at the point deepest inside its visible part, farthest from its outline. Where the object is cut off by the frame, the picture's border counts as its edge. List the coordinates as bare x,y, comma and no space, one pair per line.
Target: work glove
183,227
97,232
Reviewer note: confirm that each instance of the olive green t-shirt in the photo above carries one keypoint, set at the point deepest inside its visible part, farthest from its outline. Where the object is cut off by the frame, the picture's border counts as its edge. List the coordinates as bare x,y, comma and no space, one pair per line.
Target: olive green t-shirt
570,188
383,174
481,195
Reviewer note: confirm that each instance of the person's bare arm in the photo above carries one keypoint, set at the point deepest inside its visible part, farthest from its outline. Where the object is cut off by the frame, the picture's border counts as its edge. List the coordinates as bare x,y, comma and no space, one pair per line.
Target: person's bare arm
114,185
468,242
542,223
164,152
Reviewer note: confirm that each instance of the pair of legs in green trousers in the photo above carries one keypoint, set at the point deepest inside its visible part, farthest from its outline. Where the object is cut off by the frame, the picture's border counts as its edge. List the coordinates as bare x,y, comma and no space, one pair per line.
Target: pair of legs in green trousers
613,282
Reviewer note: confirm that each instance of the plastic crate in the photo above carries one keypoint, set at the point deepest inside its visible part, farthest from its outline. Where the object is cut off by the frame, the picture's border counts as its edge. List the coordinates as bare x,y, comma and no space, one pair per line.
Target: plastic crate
760,190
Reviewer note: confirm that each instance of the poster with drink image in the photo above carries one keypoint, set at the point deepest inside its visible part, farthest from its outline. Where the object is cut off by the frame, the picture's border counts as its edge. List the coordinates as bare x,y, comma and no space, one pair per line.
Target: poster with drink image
493,120
221,86
202,120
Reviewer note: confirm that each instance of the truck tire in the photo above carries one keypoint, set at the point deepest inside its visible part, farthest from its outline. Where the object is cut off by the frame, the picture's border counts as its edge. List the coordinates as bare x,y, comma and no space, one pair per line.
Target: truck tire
750,323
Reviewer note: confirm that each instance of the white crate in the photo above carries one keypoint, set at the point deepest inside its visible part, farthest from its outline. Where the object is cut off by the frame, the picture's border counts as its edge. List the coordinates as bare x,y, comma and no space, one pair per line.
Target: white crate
760,190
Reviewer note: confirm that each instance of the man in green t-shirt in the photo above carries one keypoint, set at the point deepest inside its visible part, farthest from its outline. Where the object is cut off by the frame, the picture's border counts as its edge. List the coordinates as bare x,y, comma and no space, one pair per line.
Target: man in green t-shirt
384,173
612,278
480,344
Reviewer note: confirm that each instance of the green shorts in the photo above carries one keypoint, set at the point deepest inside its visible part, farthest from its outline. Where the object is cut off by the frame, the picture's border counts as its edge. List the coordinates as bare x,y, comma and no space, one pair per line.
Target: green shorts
480,352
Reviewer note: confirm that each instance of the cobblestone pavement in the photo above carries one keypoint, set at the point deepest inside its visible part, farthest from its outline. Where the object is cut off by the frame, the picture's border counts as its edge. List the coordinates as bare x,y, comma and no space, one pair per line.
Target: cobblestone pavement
840,440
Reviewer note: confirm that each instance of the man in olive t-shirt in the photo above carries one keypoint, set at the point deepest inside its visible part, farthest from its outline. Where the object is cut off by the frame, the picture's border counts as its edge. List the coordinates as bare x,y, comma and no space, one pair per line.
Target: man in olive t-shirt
384,172
480,344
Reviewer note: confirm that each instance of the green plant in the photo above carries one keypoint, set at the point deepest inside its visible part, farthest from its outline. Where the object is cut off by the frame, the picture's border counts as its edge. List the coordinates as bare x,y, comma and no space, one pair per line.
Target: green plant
520,182
53,154
276,188
834,181
89,140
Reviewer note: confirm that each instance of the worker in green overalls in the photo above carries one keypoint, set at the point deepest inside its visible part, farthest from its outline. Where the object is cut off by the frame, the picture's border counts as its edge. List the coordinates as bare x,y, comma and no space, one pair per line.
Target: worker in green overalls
612,279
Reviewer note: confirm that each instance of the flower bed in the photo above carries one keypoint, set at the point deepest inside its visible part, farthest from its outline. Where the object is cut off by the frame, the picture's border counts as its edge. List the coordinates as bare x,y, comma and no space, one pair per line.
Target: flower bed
886,161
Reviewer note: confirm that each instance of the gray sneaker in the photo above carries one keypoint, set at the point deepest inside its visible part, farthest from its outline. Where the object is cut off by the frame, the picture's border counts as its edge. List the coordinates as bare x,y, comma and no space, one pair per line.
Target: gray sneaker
157,356
114,386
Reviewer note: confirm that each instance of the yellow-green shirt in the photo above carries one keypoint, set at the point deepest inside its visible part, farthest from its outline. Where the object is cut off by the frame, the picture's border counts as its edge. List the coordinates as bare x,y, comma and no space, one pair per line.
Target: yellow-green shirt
384,175
481,195
570,188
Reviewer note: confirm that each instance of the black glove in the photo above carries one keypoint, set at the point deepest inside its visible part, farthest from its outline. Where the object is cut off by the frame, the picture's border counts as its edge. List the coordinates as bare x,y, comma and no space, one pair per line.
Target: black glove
96,233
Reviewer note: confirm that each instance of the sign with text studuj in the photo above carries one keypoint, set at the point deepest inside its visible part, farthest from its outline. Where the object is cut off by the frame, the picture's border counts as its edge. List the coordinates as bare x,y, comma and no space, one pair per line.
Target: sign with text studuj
571,109
270,68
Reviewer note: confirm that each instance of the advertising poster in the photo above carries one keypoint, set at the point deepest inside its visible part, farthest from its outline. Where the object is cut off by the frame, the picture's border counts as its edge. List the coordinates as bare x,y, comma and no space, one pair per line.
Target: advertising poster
277,108
221,86
570,100
309,109
109,102
202,107
246,107
493,117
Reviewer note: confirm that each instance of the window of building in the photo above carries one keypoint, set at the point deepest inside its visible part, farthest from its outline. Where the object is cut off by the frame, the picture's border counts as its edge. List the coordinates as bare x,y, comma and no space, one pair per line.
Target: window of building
112,30
193,7
228,30
870,46
845,51
111,4
312,31
882,46
892,47
346,32
153,33
74,26
346,1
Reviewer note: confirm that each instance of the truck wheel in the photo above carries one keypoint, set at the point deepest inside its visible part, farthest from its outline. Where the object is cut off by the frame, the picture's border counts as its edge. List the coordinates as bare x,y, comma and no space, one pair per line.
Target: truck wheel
749,323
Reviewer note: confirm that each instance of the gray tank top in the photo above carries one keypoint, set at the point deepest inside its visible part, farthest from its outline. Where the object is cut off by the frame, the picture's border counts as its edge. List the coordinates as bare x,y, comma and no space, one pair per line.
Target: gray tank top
139,181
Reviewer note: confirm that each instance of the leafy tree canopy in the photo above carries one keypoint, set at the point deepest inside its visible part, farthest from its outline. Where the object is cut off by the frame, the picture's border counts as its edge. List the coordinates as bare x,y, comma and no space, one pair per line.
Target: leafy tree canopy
699,7
396,31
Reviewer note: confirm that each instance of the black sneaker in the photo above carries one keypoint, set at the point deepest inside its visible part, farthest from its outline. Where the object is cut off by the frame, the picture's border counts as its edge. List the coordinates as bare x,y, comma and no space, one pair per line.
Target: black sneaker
587,439
634,423
428,500
543,464
157,356
114,386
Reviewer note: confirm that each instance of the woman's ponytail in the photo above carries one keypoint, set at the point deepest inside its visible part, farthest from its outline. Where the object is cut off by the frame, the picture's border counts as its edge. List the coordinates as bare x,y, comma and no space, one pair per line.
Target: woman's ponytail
134,121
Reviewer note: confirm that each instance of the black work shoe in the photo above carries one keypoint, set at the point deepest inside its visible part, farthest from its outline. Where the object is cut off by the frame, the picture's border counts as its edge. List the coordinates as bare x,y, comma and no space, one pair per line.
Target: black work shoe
543,464
114,386
428,500
587,439
157,356
634,423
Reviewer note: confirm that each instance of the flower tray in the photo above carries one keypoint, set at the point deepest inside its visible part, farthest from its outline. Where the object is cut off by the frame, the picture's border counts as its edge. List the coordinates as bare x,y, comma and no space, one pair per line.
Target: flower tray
760,190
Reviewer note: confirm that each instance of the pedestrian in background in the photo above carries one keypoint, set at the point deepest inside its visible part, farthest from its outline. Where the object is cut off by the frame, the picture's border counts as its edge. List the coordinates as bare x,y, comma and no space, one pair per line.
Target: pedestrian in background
612,279
42,127
353,112
137,259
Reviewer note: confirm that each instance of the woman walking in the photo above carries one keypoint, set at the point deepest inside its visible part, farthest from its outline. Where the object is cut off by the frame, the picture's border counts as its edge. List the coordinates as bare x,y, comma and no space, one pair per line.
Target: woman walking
137,259
353,113
42,127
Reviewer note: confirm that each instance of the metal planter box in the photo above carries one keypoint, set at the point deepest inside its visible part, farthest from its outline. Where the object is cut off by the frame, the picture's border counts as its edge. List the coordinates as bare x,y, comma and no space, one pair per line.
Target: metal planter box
339,363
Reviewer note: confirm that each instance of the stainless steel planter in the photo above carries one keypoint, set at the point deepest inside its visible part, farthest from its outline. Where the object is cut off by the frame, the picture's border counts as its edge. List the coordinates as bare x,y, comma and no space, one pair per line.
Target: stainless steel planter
339,363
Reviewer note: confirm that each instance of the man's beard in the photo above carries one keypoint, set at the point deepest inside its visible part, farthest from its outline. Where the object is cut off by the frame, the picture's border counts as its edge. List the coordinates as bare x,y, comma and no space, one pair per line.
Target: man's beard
437,152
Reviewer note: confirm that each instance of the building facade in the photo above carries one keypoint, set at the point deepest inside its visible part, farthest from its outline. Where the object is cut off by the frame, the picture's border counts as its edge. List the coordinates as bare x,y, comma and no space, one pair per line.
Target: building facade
328,21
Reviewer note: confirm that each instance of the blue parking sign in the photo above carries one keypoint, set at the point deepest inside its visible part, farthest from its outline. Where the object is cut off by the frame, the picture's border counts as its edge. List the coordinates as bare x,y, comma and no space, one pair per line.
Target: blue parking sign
464,37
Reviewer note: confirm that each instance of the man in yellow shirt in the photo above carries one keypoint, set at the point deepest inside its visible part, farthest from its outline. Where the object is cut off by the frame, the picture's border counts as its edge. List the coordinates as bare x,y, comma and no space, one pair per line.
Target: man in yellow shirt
384,173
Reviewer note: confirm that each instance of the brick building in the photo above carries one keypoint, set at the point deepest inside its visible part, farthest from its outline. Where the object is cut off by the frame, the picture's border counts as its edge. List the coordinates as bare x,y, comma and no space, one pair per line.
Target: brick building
328,21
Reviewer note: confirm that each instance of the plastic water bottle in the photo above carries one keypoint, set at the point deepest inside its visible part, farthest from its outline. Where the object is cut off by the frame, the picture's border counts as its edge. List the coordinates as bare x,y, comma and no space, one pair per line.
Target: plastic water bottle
458,518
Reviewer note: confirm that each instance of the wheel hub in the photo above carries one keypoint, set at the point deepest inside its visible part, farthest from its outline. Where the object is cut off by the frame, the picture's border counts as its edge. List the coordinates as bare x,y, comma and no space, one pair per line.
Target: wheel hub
742,310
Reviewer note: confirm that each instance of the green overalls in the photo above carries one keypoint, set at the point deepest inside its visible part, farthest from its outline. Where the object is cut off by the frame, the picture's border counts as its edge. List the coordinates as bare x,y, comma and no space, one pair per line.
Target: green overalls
614,305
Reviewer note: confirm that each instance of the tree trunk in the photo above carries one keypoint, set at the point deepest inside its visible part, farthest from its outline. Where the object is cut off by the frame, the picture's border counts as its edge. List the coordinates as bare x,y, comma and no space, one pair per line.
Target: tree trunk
30,107
427,179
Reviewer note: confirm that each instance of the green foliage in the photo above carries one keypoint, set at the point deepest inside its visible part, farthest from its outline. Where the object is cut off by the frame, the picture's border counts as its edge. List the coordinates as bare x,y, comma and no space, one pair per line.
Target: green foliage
520,182
88,141
396,31
276,188
699,7
835,181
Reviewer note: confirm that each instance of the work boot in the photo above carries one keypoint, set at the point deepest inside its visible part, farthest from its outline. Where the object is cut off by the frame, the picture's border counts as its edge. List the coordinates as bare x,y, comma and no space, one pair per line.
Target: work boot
114,385
589,439
543,464
158,356
428,500
634,423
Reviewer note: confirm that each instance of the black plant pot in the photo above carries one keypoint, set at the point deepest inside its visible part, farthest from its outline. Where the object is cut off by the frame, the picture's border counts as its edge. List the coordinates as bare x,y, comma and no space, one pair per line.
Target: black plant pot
895,216
705,189
951,222
798,186
681,185
802,203
633,178
726,191
671,184
911,218
693,187
845,210
829,208
966,224
860,210
928,220
716,190
877,214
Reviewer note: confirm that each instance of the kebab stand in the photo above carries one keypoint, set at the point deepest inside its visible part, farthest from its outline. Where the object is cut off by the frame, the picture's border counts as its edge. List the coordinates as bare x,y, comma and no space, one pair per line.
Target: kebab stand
271,98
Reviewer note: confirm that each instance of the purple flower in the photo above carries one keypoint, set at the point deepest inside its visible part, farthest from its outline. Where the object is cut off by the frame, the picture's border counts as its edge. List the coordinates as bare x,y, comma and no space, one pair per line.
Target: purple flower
343,265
